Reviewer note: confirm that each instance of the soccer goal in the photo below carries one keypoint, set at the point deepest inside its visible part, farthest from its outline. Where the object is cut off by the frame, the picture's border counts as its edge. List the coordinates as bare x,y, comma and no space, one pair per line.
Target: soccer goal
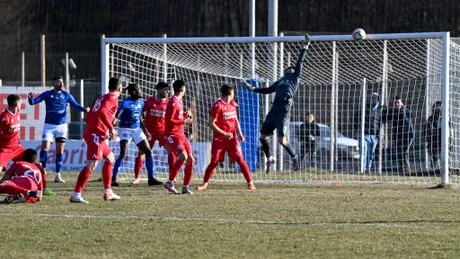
338,79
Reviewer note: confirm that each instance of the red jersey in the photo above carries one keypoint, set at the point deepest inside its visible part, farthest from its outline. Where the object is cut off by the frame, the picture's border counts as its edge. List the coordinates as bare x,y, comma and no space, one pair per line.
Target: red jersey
100,118
174,124
155,114
25,169
226,116
9,129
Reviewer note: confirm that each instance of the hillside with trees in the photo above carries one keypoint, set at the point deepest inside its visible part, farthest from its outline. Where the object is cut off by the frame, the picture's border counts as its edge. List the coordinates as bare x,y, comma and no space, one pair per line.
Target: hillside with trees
75,26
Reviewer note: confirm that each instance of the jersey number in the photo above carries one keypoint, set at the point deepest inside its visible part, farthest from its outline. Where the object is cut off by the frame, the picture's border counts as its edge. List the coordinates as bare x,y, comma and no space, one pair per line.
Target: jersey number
97,105
33,174
96,139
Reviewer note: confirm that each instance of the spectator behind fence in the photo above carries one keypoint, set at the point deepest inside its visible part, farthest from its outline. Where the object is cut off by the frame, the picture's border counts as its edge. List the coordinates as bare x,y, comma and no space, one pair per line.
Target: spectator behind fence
309,131
433,135
403,133
372,122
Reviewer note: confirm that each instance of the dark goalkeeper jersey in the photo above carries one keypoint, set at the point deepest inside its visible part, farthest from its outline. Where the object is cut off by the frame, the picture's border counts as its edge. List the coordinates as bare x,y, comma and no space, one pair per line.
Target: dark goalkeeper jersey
285,87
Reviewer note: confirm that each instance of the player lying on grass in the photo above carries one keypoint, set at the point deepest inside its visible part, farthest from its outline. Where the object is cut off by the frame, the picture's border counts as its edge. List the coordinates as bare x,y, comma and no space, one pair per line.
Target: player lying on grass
226,127
280,112
176,140
55,128
10,147
98,123
23,181
154,109
131,127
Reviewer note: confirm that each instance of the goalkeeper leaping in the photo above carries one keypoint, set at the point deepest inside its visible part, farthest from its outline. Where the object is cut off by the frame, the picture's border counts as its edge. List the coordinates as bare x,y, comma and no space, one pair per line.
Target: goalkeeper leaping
280,112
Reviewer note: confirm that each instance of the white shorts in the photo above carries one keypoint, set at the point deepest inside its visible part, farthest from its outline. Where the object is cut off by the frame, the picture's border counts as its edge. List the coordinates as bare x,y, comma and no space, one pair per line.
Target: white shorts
51,132
132,134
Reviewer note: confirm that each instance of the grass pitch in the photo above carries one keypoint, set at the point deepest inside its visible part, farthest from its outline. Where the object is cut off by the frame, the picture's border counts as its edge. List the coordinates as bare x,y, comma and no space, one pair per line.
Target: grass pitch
229,221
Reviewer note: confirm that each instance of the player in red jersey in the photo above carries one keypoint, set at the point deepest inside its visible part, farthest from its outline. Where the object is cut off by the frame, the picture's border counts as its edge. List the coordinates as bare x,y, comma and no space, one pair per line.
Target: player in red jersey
175,141
10,121
98,123
10,147
154,109
23,181
226,127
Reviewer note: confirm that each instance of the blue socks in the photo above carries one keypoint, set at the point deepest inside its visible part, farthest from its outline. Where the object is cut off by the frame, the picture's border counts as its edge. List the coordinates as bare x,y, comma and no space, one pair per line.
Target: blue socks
149,165
59,158
116,166
44,157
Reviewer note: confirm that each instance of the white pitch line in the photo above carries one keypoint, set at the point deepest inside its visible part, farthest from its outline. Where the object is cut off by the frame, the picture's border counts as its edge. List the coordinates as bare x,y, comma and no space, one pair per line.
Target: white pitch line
226,220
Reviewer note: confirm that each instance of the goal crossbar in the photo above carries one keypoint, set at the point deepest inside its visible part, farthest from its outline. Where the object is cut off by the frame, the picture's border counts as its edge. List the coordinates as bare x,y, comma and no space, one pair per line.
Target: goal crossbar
392,36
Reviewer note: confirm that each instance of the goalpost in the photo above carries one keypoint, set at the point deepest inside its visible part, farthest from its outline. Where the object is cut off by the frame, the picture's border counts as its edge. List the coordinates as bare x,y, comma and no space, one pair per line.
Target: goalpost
338,76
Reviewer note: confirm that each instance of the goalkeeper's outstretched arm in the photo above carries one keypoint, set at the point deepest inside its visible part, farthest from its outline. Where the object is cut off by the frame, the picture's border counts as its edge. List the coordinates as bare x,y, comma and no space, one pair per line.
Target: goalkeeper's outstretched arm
298,66
260,90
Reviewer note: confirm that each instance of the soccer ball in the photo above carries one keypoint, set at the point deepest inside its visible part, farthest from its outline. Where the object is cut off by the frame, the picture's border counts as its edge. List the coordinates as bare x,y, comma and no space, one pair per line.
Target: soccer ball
359,34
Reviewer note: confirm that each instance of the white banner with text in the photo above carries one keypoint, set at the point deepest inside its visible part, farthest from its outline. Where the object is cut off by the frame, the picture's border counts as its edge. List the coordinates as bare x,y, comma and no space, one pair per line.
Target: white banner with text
75,156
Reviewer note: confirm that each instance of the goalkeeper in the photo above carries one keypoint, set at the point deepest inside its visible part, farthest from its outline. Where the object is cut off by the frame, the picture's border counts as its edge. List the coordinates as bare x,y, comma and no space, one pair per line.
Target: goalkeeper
280,112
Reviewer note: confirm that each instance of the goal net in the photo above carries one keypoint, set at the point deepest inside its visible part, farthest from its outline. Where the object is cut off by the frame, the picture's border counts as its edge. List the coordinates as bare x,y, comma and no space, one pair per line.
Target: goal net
338,79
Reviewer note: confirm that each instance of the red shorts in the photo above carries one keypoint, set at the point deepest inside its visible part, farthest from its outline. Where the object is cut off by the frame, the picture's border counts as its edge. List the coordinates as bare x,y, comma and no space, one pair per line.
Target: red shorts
97,146
231,146
8,154
157,137
24,182
178,144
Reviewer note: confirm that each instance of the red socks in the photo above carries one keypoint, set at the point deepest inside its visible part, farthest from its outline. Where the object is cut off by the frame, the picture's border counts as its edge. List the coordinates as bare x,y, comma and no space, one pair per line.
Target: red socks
83,178
171,160
107,175
210,171
188,172
137,168
245,170
175,169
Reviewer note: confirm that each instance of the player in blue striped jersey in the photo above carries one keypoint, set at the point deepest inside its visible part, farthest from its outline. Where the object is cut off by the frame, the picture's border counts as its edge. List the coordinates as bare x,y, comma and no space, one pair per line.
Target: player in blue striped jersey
131,127
55,127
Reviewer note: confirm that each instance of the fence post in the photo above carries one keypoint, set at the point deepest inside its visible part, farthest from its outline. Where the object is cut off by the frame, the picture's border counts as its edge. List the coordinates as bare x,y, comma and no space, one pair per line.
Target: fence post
104,65
23,68
334,93
82,99
266,110
43,59
362,125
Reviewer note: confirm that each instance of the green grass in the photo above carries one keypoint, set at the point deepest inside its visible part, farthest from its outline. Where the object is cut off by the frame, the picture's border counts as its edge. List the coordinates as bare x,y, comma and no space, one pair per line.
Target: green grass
228,221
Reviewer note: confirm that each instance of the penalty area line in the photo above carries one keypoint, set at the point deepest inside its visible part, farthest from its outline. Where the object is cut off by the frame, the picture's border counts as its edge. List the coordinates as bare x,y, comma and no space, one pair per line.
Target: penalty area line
381,224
